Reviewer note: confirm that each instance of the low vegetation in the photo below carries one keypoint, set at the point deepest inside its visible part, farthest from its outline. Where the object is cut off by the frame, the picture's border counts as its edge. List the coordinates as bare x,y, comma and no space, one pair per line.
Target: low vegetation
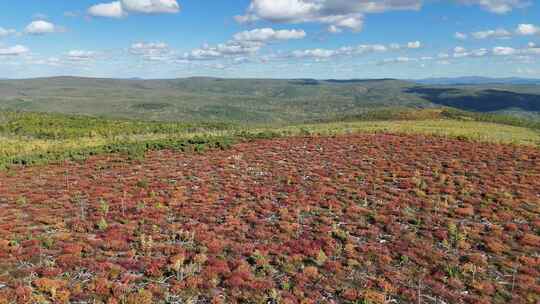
391,206
33,138
365,218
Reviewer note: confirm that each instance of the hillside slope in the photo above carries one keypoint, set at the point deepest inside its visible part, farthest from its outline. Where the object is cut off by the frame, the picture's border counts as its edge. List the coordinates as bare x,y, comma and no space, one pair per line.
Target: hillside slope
259,101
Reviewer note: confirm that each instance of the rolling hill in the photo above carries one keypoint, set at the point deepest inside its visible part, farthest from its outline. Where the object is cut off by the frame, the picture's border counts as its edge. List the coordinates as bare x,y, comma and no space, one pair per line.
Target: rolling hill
255,101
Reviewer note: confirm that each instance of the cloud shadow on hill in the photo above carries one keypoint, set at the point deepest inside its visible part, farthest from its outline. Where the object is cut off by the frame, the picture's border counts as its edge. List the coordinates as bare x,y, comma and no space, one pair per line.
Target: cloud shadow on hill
489,100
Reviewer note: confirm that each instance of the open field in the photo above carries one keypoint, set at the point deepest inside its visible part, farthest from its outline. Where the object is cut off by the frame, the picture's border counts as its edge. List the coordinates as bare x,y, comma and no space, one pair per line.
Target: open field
396,205
349,219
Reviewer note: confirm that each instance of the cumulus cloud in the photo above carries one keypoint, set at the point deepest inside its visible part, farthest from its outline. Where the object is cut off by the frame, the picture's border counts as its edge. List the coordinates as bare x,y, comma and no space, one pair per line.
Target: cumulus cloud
348,14
461,52
108,10
529,50
321,54
315,53
6,32
363,49
229,49
153,51
41,27
243,44
528,29
498,6
339,14
13,50
268,34
498,33
408,45
151,6
119,9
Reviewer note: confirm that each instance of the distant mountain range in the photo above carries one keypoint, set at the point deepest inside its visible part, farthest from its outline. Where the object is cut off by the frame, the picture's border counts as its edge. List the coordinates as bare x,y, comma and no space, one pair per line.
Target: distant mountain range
476,80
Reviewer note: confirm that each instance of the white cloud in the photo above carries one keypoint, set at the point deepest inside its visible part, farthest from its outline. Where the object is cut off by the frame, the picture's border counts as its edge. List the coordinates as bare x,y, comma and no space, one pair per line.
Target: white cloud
408,45
338,14
349,14
401,59
119,9
153,51
461,36
223,50
314,53
504,51
51,61
319,53
151,6
414,45
13,50
498,33
334,29
369,48
108,10
40,27
282,10
6,32
268,34
459,49
81,55
498,6
461,52
243,44
528,29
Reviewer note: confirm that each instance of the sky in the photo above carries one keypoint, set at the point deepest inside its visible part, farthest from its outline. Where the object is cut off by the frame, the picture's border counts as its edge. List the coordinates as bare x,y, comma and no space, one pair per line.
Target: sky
323,39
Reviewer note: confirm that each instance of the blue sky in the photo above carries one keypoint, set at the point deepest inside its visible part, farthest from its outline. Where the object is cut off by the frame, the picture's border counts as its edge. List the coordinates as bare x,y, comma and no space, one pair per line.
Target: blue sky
270,38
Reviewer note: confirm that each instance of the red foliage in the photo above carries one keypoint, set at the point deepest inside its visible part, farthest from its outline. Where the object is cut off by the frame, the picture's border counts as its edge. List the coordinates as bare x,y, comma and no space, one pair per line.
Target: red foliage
531,240
350,218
